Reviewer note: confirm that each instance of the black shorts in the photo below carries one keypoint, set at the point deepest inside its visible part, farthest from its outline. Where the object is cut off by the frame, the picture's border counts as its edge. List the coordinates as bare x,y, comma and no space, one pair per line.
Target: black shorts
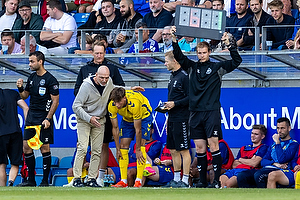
205,124
108,136
36,118
11,145
178,136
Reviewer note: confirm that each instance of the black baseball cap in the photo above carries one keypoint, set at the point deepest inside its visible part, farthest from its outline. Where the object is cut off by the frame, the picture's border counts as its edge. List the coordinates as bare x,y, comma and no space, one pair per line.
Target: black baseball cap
24,3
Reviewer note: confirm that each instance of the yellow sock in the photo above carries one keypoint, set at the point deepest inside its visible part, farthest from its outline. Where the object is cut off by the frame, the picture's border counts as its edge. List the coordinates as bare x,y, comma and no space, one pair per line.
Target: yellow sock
84,173
297,180
70,178
148,164
141,167
123,163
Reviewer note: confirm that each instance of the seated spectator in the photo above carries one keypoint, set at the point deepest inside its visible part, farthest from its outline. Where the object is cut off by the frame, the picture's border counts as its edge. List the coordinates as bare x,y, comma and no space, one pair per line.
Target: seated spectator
42,8
171,6
157,18
227,160
278,160
110,20
8,39
28,21
167,39
149,45
248,158
290,43
188,44
216,5
238,20
9,14
297,40
59,20
259,19
96,37
80,6
279,35
124,37
33,46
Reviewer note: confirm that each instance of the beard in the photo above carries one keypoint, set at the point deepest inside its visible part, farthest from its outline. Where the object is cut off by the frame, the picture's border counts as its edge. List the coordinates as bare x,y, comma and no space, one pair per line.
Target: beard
127,14
167,42
156,10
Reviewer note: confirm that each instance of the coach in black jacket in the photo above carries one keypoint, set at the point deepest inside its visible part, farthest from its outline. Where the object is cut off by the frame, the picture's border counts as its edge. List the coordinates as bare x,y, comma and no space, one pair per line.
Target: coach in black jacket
204,103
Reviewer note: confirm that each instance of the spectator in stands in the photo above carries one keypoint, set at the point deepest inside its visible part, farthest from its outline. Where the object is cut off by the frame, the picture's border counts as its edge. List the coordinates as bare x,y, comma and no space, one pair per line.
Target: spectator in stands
188,44
10,134
248,158
227,160
167,39
124,37
149,45
291,42
9,15
90,40
171,6
216,5
238,20
8,39
28,21
157,18
81,6
110,20
33,46
59,20
259,19
277,161
297,40
279,35
42,8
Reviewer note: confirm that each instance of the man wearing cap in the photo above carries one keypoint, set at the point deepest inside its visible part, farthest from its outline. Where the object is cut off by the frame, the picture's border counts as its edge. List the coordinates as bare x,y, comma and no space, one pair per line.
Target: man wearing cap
28,21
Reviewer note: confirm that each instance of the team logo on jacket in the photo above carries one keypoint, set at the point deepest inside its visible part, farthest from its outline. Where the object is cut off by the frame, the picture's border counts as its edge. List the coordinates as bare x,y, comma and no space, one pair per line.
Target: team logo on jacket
42,82
208,71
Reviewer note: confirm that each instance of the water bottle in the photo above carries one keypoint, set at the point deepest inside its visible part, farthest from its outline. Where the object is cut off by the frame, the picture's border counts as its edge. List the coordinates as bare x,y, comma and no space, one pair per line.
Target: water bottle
106,180
111,179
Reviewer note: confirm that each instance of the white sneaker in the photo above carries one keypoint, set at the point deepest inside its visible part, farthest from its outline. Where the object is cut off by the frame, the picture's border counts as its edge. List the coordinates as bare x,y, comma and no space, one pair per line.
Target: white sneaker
100,182
69,184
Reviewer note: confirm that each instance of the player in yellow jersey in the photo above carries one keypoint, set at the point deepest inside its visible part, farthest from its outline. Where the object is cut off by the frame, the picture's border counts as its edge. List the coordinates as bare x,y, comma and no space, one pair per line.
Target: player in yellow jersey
137,118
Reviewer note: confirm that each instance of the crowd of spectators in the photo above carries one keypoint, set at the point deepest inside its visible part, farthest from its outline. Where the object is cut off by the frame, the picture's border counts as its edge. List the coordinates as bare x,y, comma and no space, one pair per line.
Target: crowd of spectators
117,21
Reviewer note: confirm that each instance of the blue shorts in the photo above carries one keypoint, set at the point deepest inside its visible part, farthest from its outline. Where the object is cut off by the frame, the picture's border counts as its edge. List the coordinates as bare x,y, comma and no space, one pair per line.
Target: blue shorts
117,172
165,174
290,175
233,172
128,130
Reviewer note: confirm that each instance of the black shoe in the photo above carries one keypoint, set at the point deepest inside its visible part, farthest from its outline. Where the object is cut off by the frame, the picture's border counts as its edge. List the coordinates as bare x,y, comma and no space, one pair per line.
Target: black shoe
215,184
78,183
27,184
171,184
200,185
182,184
10,183
44,184
92,183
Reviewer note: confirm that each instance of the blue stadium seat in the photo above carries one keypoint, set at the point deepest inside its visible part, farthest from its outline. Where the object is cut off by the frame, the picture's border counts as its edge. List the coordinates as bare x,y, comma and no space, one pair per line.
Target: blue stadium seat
59,174
59,180
81,18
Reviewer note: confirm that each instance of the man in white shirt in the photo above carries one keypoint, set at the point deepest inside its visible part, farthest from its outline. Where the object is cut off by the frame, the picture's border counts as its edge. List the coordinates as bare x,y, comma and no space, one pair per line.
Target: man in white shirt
60,28
9,15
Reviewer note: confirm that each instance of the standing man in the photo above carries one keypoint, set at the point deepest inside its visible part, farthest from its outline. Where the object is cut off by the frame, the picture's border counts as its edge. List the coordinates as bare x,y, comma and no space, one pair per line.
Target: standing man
10,134
98,51
277,161
137,118
90,108
43,89
204,102
178,137
28,21
60,29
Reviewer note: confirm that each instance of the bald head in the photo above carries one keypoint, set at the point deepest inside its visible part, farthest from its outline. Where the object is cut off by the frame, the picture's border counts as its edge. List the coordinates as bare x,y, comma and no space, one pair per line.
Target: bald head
102,75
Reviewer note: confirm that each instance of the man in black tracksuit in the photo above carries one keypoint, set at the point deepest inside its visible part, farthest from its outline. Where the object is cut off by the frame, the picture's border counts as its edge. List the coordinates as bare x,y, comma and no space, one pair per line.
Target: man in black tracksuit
178,137
204,103
91,69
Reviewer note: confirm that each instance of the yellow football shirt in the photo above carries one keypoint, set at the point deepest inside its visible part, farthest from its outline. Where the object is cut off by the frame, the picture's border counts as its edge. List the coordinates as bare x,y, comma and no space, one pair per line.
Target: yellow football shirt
137,107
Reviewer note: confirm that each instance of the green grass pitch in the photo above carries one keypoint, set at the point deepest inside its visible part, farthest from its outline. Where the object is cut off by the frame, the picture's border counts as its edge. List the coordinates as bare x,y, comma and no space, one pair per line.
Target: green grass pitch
53,193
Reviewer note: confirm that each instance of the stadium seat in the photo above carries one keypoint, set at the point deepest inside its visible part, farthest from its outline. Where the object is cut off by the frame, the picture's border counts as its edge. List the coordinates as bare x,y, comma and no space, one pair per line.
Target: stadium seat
81,18
59,174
